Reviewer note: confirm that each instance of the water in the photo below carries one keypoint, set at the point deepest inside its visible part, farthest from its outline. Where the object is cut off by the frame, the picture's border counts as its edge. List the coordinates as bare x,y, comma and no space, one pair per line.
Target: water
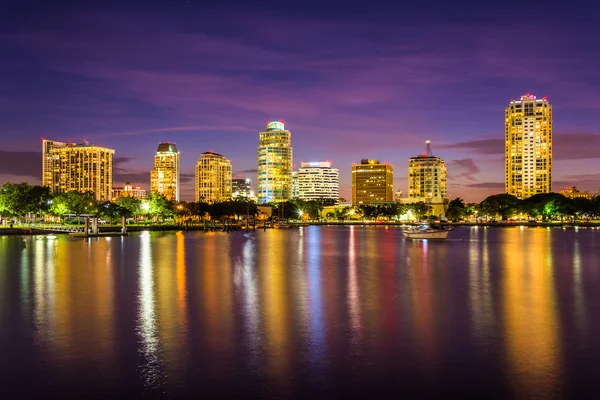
314,312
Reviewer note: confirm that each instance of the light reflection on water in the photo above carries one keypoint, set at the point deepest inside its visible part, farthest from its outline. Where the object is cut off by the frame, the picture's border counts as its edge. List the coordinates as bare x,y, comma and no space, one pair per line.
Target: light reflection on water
321,311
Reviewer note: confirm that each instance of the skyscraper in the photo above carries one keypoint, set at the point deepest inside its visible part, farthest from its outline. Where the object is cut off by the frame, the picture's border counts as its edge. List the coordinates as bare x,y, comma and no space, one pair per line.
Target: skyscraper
274,164
528,146
213,178
78,167
372,182
317,180
427,177
164,177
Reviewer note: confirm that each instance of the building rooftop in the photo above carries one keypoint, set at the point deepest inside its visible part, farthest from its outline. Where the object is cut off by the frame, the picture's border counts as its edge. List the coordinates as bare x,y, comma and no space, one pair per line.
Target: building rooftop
167,147
213,153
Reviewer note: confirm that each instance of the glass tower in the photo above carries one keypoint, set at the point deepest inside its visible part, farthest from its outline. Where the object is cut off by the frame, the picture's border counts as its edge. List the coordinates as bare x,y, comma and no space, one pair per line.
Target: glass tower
274,164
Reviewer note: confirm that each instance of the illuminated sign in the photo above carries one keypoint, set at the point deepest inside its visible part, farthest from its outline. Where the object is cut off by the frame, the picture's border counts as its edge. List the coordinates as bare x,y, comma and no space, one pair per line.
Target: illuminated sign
275,125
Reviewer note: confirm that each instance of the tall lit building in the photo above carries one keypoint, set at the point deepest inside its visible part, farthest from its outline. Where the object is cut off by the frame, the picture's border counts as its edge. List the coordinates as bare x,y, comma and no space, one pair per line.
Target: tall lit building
372,182
78,167
528,146
213,178
274,164
427,177
164,177
317,180
47,160
128,191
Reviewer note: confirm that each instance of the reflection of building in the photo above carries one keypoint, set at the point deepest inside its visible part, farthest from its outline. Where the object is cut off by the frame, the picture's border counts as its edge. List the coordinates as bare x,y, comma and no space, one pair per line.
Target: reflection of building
427,177
274,164
78,167
295,185
528,147
164,177
574,193
213,178
317,180
241,187
398,196
372,182
128,191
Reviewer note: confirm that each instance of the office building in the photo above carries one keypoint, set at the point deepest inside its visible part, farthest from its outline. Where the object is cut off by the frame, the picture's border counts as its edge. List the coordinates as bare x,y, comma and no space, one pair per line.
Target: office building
78,167
128,191
241,187
164,177
528,147
372,181
317,180
274,164
213,178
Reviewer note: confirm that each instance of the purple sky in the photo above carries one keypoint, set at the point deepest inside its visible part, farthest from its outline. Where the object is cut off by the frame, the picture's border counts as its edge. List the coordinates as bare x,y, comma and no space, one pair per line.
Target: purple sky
350,82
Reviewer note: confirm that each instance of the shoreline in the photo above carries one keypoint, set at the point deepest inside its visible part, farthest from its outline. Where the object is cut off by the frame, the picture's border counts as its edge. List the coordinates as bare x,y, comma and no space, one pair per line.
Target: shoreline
30,231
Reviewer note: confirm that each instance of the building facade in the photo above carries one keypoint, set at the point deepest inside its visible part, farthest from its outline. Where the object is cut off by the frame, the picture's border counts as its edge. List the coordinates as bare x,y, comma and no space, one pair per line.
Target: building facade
574,193
274,164
164,177
213,178
398,196
128,191
427,177
295,186
528,146
317,180
78,167
372,181
241,187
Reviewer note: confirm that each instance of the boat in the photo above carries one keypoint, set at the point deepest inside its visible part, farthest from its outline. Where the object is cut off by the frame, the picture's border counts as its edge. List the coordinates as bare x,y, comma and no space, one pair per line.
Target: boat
281,225
426,231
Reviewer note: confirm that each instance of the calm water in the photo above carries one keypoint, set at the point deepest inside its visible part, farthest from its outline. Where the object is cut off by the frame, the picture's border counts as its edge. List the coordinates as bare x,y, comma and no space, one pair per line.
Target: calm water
315,312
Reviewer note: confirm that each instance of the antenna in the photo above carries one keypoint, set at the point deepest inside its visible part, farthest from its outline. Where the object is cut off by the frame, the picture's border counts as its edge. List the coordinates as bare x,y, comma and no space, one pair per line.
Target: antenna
428,148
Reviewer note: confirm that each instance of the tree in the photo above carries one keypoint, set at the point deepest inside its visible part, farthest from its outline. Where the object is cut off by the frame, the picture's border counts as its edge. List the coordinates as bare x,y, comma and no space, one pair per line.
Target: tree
158,206
132,204
419,209
74,202
113,212
504,205
22,199
456,209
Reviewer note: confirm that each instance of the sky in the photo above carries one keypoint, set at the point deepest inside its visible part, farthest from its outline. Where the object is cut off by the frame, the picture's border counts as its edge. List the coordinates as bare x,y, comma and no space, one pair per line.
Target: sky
351,80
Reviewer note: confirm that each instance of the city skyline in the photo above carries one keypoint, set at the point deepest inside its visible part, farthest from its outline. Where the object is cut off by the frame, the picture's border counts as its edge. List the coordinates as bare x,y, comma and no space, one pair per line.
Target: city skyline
347,88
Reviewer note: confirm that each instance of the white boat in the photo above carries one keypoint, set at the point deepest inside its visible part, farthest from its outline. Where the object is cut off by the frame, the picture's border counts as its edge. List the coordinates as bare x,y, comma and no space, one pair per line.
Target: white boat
426,232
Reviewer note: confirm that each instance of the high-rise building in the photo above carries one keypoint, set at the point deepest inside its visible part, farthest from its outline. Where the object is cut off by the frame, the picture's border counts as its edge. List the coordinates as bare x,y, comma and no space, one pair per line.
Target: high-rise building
213,178
47,160
274,164
128,191
427,177
372,182
241,187
78,167
317,180
528,146
164,177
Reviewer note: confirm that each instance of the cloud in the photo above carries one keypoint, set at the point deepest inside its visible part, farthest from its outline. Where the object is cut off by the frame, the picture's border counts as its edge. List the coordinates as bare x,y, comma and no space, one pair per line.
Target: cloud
468,168
486,185
479,146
